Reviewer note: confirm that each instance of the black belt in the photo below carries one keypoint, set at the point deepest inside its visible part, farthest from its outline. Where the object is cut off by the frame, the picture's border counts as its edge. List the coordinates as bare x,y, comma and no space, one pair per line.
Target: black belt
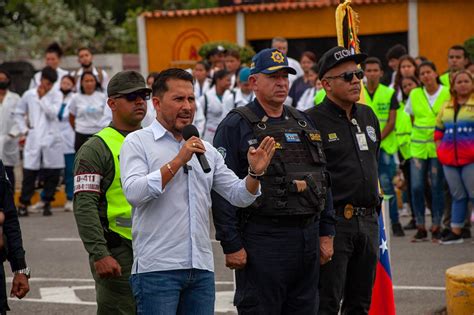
348,211
284,220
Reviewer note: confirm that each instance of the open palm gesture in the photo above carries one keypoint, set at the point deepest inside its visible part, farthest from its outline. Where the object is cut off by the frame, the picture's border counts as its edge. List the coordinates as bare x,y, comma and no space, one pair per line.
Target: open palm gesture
260,158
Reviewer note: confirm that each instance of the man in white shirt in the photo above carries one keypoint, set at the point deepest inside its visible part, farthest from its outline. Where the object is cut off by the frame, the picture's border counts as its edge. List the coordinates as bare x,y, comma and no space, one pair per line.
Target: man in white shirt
85,59
281,44
162,179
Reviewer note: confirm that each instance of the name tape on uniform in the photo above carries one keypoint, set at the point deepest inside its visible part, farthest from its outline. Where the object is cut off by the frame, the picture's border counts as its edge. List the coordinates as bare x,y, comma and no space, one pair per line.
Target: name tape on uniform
87,183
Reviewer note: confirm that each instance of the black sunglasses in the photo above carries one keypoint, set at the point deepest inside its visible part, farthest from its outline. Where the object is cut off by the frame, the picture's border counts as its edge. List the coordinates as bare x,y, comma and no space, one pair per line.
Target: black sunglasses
134,95
349,75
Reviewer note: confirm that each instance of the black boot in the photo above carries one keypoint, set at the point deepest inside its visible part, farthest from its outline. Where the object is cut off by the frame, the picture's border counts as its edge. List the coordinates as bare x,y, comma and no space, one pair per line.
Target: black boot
22,211
397,230
47,209
411,225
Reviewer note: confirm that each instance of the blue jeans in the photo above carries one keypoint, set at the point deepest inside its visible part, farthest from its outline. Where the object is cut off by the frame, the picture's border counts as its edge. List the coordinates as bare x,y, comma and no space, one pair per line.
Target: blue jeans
187,291
461,185
69,176
419,169
387,170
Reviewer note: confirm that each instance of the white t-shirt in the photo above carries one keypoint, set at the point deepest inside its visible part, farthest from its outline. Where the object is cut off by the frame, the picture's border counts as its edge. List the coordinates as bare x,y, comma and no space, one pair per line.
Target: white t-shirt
431,100
88,111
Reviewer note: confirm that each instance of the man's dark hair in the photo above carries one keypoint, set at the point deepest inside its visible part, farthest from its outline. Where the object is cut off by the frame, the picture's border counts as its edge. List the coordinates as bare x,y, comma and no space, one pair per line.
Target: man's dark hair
233,53
153,75
460,47
315,68
49,74
84,48
218,75
54,48
6,73
396,52
160,85
371,61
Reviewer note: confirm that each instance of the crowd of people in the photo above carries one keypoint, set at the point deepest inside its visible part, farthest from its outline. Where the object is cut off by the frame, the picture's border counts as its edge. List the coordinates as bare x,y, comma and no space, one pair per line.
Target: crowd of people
290,162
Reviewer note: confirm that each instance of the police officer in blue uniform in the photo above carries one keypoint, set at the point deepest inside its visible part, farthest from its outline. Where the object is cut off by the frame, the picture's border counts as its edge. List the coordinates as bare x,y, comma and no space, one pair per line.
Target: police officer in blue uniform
277,244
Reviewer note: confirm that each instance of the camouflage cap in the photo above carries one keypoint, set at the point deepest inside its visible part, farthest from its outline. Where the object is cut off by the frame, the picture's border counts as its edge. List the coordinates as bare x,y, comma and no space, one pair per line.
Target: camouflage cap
126,82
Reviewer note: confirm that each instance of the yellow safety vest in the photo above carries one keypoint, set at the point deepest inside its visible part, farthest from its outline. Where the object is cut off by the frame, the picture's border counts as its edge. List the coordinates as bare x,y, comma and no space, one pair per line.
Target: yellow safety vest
119,211
380,104
319,97
445,80
422,135
403,129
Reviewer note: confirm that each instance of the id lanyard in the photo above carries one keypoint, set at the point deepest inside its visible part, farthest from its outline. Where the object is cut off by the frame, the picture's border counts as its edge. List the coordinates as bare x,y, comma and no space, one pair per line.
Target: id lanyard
360,136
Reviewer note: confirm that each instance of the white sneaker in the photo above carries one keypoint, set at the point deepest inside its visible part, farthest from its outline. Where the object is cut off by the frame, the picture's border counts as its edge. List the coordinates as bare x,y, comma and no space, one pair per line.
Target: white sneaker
37,207
404,213
68,206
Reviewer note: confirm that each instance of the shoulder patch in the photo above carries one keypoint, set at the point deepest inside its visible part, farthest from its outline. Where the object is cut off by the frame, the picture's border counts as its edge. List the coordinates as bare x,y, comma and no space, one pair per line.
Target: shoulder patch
222,151
371,133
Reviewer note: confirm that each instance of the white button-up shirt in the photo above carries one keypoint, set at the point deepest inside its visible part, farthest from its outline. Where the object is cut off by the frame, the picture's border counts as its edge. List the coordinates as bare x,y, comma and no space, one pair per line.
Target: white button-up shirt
170,226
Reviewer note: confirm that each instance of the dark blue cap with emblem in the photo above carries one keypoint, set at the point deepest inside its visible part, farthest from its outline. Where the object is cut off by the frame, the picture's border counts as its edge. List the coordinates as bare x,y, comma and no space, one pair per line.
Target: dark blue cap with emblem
270,60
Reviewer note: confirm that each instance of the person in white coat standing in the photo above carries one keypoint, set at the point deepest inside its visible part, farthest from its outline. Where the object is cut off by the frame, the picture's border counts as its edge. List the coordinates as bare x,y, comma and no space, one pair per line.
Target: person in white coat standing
211,104
37,118
9,149
52,57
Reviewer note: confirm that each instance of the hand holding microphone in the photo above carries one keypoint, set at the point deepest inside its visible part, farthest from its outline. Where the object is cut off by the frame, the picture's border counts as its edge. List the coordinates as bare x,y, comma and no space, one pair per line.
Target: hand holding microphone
193,145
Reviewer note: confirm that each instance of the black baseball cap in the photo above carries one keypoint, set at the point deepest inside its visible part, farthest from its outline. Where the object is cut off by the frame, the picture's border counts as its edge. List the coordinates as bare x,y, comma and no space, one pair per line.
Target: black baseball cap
336,56
126,82
270,60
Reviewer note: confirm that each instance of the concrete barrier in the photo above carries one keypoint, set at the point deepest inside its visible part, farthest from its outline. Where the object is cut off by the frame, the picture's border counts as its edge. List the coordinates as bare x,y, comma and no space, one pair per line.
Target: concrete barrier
460,290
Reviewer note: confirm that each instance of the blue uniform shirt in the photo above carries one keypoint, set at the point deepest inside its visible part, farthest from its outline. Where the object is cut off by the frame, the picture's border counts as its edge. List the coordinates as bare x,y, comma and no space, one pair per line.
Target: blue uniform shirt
233,138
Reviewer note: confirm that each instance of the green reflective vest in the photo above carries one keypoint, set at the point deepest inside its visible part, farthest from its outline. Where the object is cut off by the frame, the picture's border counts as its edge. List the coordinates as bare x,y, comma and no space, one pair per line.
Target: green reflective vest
380,104
319,97
422,135
403,131
119,211
445,80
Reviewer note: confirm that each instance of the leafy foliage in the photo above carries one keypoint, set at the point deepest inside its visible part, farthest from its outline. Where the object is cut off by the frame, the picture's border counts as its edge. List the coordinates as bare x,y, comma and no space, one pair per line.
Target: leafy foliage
469,45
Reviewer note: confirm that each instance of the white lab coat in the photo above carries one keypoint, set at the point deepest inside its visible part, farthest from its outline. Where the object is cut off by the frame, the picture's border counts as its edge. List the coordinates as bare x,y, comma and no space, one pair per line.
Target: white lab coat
67,133
36,80
306,100
215,108
299,71
38,118
236,99
200,90
9,149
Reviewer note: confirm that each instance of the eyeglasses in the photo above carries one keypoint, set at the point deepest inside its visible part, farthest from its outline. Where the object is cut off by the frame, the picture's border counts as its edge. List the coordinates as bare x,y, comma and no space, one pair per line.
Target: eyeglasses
348,76
131,97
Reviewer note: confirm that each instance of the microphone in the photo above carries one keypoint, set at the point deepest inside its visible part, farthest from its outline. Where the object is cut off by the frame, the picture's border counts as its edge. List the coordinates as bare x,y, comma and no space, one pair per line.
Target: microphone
188,132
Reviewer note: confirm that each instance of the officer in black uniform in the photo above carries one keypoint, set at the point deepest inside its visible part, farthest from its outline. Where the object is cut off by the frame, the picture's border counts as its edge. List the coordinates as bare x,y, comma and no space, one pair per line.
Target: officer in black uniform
351,141
275,243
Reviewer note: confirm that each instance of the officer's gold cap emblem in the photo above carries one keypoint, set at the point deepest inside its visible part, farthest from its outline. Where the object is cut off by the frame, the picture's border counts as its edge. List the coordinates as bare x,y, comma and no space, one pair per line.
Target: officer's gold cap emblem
278,57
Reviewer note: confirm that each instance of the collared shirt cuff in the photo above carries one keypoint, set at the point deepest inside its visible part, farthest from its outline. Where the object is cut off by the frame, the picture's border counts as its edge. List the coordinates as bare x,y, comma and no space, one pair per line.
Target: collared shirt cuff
155,183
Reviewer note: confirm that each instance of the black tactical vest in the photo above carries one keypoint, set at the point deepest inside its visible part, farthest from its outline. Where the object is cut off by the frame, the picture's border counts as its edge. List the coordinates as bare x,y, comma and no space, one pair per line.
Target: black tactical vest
298,156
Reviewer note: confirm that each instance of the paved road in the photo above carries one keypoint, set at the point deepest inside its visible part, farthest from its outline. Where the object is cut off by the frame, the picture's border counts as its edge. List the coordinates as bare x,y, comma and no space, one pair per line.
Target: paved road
62,284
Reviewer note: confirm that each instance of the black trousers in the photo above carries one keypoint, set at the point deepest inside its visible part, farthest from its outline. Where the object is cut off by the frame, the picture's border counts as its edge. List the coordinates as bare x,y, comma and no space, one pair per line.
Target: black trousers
282,270
80,139
350,275
51,181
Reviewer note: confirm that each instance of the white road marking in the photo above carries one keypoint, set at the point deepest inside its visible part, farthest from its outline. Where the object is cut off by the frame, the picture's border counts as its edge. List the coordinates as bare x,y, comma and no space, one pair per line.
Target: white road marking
62,239
33,279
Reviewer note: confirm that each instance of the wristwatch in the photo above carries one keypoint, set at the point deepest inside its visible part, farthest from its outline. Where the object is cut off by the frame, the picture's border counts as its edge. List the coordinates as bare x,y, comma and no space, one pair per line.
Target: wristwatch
26,271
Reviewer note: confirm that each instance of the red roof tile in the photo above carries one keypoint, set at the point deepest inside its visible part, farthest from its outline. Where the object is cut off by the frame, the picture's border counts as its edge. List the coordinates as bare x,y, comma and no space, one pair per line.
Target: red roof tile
253,8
